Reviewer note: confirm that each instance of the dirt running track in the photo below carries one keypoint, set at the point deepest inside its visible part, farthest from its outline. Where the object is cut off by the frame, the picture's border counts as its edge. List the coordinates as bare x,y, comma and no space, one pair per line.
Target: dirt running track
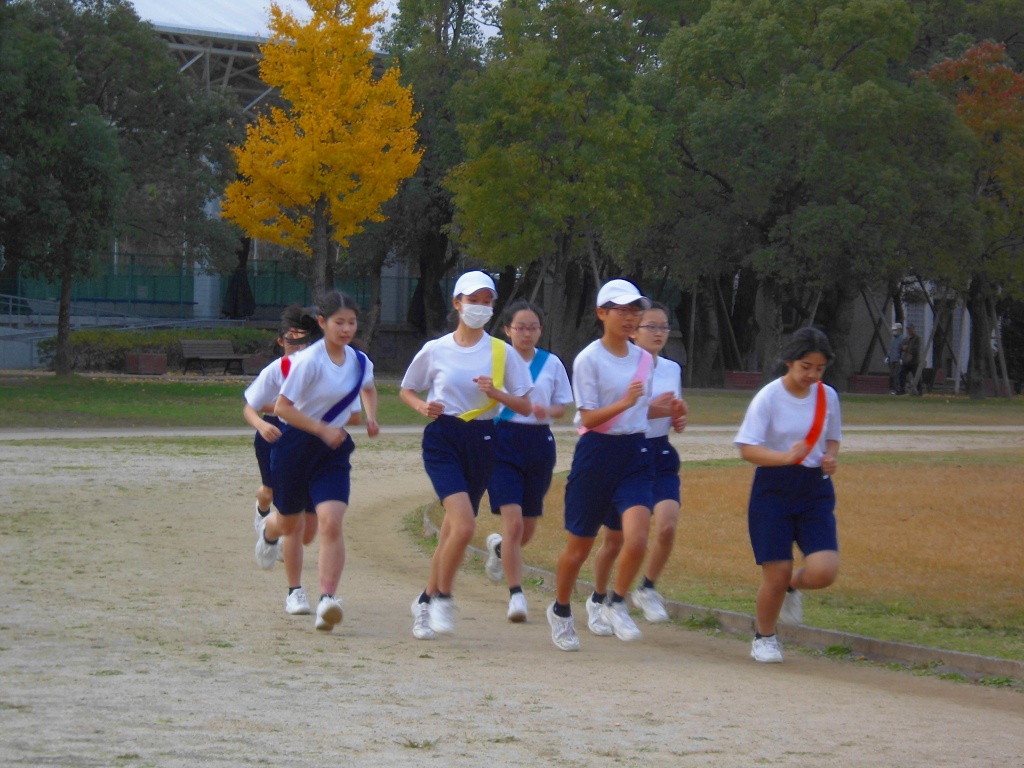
136,630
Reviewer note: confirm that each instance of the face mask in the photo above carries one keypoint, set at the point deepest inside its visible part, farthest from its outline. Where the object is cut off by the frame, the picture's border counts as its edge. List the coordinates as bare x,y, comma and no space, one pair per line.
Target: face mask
476,315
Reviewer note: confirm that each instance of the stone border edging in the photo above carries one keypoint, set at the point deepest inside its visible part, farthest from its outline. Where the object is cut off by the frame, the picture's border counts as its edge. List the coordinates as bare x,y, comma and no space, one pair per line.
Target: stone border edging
968,664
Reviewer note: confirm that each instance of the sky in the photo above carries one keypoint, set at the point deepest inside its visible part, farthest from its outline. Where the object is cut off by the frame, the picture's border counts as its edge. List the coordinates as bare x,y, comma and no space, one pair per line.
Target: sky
240,17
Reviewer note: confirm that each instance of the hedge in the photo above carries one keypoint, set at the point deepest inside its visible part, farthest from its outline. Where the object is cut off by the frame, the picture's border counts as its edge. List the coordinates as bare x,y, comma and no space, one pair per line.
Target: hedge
105,350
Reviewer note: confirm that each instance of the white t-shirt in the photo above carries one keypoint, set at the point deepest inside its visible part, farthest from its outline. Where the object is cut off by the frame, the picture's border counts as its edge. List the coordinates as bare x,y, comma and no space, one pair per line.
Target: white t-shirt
599,378
668,377
267,385
316,383
776,419
551,387
446,371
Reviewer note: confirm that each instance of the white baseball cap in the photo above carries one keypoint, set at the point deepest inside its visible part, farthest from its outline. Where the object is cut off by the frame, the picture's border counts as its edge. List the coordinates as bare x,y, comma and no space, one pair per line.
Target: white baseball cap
897,326
471,282
621,292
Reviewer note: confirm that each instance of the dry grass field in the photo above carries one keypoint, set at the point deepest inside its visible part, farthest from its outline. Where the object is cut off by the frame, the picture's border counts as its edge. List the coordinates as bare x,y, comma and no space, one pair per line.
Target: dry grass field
932,548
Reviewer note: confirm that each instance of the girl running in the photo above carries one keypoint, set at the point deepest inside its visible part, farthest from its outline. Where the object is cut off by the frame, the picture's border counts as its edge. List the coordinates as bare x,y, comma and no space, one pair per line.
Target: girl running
791,432
299,329
651,335
468,377
310,462
610,482
524,455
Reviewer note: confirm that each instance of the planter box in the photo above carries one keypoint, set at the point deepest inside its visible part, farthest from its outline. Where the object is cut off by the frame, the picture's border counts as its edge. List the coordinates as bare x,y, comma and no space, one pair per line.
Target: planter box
145,363
868,384
742,379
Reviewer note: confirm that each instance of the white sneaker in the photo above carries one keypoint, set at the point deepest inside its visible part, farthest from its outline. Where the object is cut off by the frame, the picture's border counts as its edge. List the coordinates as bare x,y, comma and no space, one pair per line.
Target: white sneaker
517,608
493,566
621,622
651,603
792,608
421,620
597,620
442,615
563,631
258,517
296,603
266,553
766,650
328,613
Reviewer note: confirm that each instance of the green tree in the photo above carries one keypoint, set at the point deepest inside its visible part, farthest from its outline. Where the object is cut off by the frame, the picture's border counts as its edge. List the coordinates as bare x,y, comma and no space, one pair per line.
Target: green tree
435,43
556,154
316,173
803,163
988,95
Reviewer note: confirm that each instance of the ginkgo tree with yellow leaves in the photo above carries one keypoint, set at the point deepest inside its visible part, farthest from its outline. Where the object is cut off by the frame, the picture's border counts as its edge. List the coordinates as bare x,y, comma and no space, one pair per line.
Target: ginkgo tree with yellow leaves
321,169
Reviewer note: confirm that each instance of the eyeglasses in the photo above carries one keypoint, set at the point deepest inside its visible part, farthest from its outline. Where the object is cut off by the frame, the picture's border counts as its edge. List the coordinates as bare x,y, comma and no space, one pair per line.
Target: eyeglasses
656,328
525,328
627,310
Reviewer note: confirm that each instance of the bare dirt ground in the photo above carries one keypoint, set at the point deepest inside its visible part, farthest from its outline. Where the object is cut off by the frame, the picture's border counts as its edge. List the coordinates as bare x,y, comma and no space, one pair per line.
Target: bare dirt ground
136,630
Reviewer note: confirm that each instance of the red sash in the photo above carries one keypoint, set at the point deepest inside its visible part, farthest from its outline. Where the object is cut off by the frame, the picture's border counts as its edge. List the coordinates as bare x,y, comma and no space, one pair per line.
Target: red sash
646,361
820,409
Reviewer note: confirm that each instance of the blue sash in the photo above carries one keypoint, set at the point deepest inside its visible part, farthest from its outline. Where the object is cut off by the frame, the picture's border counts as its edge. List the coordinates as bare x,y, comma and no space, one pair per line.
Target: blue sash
346,401
536,366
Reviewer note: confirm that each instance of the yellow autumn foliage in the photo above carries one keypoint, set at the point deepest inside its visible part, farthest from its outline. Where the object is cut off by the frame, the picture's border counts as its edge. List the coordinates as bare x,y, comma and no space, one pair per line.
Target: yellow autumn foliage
346,143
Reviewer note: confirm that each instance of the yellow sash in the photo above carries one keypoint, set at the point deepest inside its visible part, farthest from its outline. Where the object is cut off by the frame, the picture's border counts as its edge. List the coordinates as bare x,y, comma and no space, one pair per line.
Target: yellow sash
497,376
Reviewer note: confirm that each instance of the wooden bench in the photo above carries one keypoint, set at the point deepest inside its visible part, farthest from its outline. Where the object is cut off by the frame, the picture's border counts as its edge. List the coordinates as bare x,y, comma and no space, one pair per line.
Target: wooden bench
202,351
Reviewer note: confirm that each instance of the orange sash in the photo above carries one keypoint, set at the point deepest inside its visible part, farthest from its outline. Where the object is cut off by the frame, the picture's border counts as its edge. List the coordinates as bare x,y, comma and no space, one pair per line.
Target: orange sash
820,409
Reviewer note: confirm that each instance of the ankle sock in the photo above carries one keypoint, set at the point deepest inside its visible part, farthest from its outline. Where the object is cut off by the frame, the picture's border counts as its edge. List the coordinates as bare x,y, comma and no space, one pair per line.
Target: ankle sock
759,636
514,591
292,589
497,550
598,597
616,597
424,597
647,584
564,611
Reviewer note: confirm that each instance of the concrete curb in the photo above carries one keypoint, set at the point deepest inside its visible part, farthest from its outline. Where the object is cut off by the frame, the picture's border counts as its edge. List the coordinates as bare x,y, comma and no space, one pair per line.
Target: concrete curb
741,624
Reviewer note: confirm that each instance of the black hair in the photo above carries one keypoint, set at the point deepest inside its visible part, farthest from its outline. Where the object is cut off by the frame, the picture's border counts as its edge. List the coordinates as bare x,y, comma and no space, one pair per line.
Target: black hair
333,301
804,342
518,306
659,306
300,318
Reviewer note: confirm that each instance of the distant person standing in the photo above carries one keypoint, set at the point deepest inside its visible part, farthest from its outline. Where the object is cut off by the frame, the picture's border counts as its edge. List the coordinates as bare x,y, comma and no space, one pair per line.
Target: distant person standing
911,356
895,358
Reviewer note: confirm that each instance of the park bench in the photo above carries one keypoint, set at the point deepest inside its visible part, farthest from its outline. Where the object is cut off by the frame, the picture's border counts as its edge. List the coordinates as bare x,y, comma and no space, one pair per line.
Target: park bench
199,352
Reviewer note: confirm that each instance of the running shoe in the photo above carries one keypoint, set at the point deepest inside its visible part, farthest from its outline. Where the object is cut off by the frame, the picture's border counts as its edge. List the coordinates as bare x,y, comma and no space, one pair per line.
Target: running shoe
563,631
517,608
621,622
421,620
328,613
792,608
766,650
493,567
266,553
296,603
651,603
442,615
597,619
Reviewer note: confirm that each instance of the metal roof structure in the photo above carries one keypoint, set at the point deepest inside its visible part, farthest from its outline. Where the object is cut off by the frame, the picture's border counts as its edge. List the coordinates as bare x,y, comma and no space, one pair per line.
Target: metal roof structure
217,41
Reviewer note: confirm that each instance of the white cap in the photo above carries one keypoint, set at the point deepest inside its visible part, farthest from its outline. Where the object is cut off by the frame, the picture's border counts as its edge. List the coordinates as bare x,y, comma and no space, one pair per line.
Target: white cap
621,292
897,326
471,282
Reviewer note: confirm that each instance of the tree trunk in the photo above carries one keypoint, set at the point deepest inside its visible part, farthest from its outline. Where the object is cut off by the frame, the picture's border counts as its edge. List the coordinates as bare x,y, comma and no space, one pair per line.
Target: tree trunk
839,329
370,317
568,302
321,237
62,363
768,315
707,336
981,340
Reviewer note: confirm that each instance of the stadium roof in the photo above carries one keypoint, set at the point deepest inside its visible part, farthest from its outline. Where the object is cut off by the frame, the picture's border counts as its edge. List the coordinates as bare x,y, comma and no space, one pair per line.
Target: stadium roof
217,41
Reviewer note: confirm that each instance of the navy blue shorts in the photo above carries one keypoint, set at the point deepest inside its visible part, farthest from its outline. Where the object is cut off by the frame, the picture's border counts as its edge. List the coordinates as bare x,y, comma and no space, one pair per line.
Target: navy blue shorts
524,457
666,469
262,448
610,474
459,456
307,472
791,504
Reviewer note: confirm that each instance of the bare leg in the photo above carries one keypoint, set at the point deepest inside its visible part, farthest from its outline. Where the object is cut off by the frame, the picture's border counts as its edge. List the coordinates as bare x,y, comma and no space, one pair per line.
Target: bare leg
456,533
576,551
818,570
604,560
330,515
775,578
636,524
513,533
666,519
